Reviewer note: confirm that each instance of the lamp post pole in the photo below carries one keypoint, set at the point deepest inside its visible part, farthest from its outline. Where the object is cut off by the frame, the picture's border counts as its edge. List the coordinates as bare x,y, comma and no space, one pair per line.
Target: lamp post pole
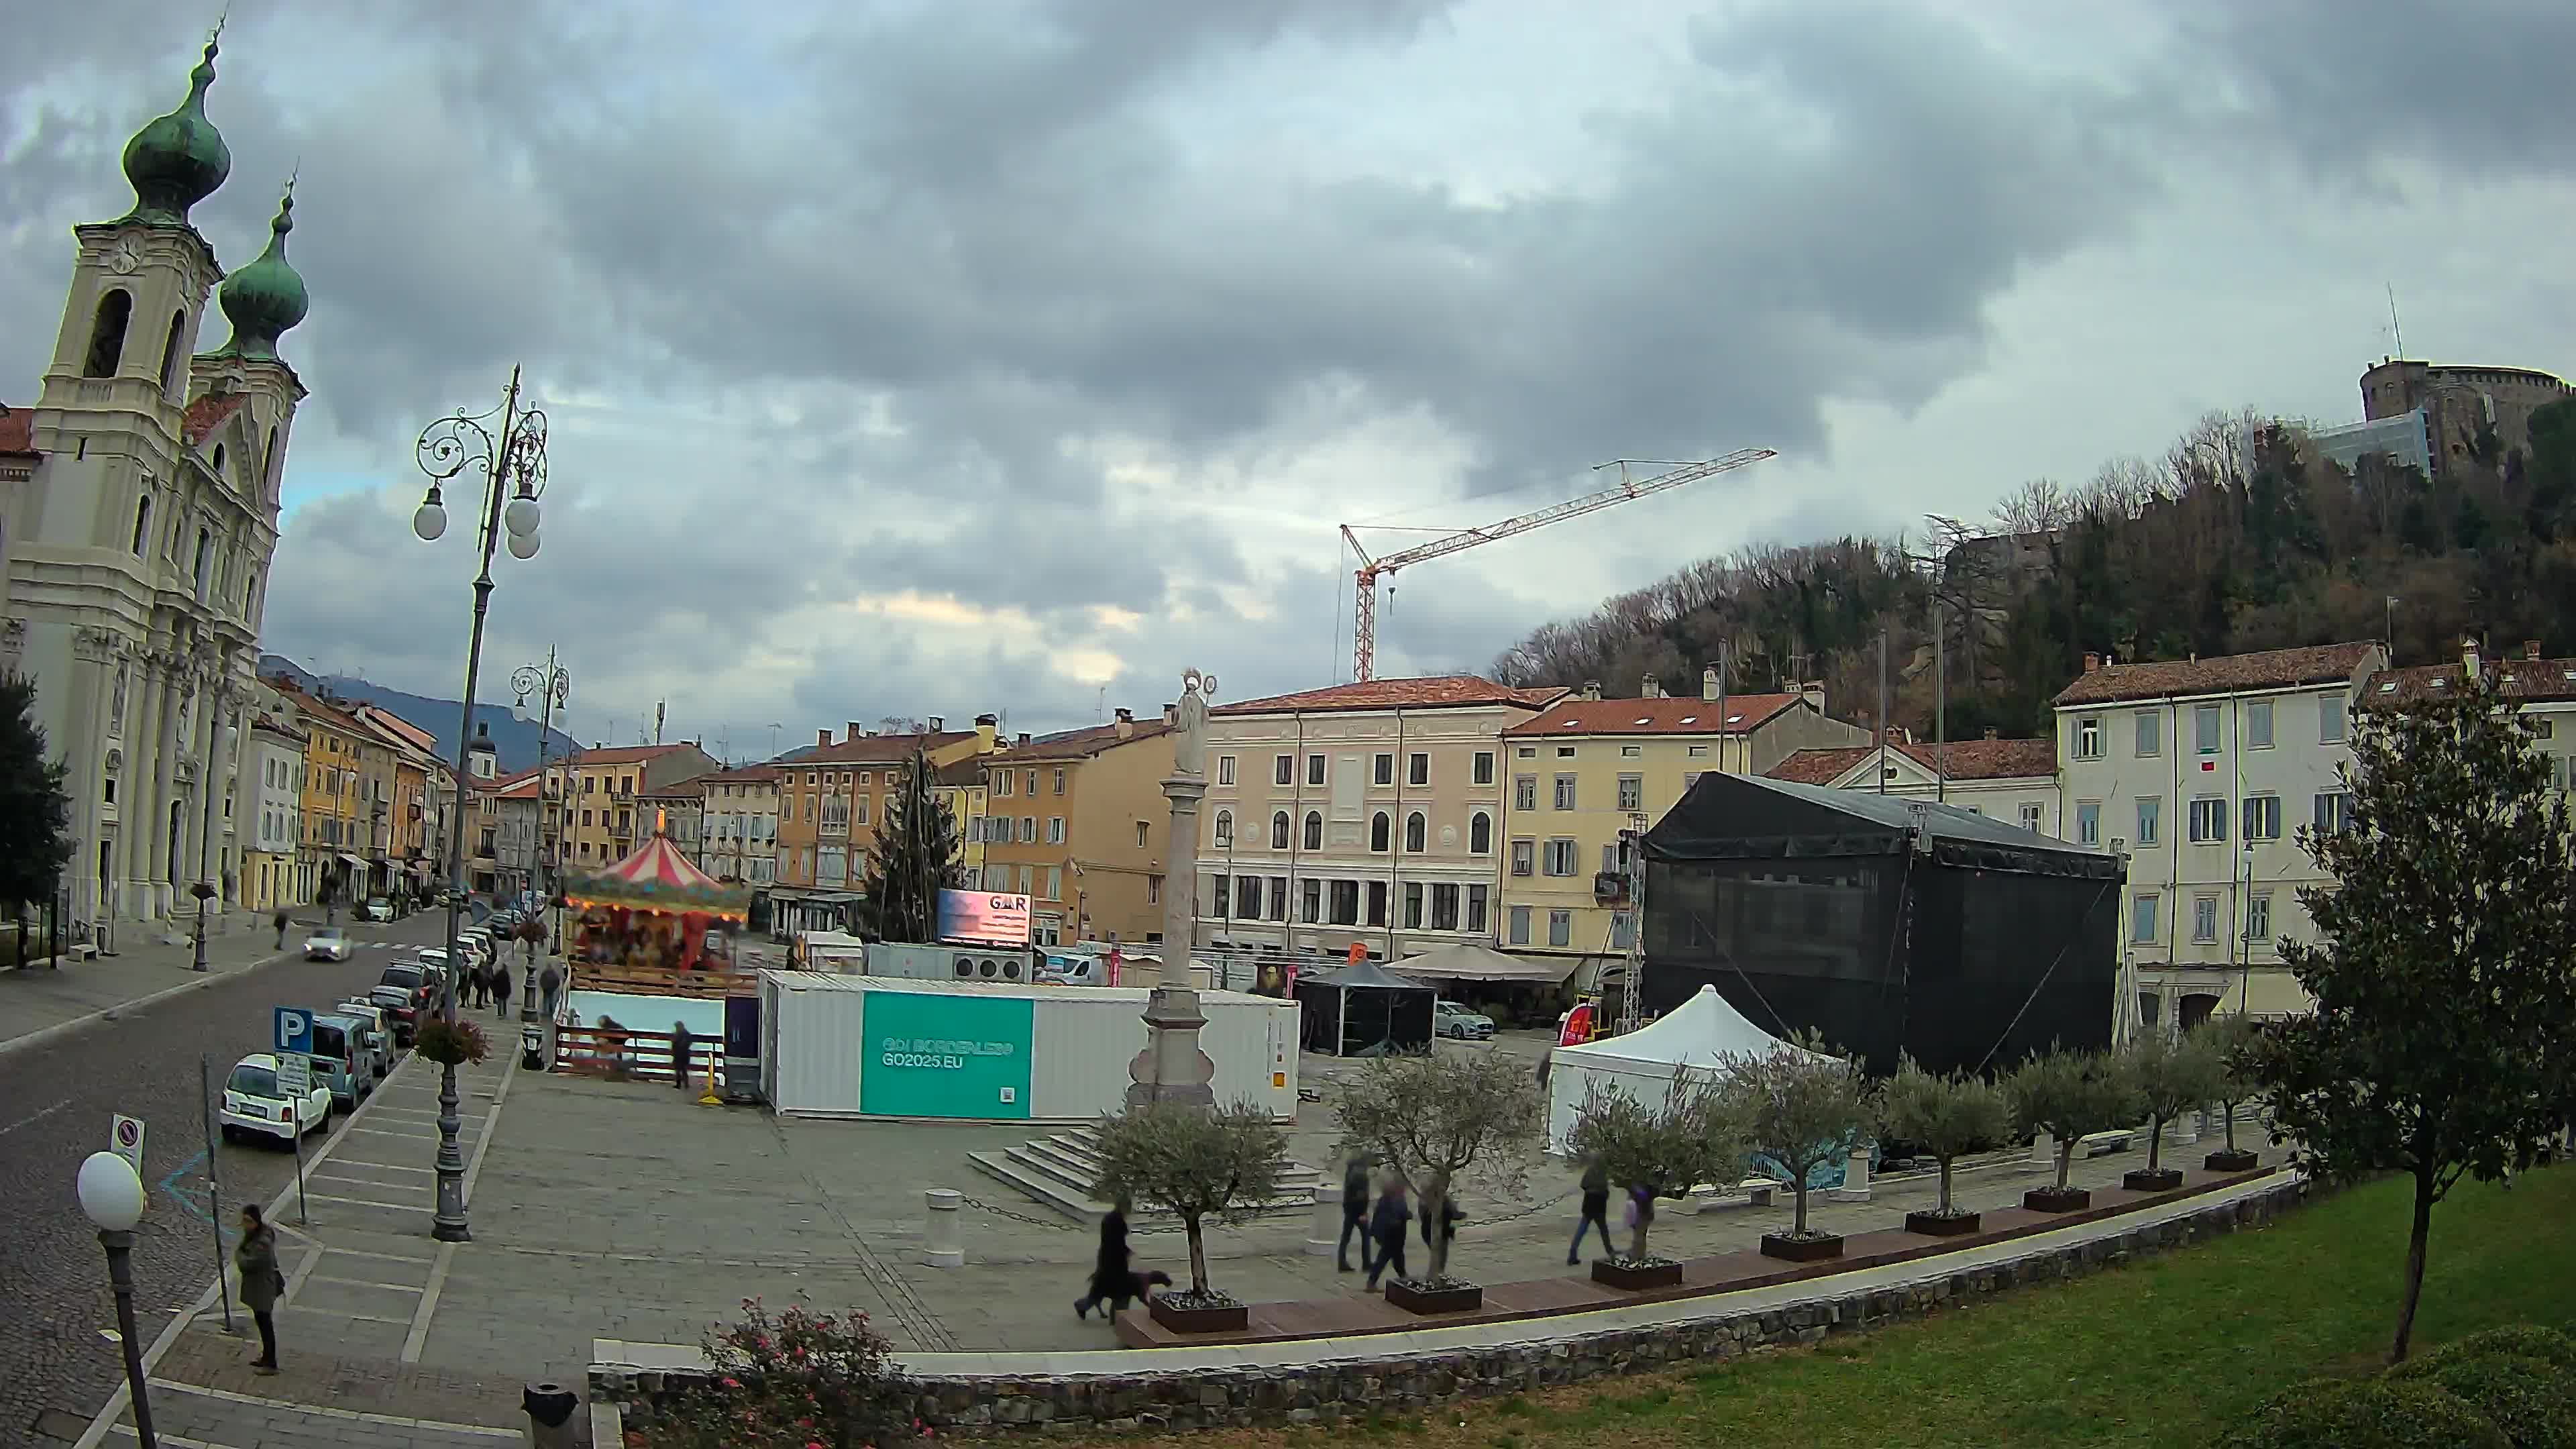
556,687
111,1196
446,449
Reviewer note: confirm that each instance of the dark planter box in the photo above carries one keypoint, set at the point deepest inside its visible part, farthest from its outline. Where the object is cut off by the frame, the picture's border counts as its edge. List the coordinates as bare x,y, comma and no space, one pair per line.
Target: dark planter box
1637,1278
1462,1298
2239,1160
1933,1225
1801,1250
2158,1179
2056,1200
1232,1318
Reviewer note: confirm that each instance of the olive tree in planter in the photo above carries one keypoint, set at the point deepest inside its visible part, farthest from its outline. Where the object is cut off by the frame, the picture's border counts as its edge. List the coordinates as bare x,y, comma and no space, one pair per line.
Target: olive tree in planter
2233,1040
1801,1106
1223,1164
2173,1076
1691,1137
1947,1117
2069,1094
1430,1119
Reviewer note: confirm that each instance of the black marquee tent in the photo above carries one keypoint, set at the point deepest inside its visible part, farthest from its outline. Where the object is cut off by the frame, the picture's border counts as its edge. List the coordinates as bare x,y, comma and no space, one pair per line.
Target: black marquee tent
1888,924
1363,1011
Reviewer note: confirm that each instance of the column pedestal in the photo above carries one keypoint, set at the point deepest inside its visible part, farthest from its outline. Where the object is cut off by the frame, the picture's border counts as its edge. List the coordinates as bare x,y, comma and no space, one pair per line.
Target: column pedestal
1172,1068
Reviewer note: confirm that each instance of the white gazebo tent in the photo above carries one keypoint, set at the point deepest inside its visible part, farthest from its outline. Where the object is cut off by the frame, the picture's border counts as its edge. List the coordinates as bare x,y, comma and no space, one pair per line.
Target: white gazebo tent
1697,1034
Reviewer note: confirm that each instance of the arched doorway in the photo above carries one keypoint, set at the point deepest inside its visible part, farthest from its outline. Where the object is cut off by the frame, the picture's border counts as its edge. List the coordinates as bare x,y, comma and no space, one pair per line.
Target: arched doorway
2194,1009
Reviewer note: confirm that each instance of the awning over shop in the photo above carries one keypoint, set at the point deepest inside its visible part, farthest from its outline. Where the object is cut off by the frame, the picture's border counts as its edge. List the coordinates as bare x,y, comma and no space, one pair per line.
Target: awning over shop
352,861
1469,961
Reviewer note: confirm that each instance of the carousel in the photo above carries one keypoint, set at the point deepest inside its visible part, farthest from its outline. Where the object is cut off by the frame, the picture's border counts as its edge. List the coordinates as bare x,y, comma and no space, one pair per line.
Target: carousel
654,915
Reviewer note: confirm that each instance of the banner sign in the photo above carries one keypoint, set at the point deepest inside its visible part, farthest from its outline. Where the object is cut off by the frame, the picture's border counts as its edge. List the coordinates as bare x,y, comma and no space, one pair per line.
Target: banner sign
929,1054
982,918
1578,1026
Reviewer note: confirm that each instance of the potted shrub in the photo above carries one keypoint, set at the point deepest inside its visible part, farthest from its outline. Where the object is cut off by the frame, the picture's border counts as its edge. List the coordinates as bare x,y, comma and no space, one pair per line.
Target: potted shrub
1800,1106
793,1377
1223,1164
1947,1117
2172,1077
450,1043
2069,1094
1690,1137
1430,1119
2232,1040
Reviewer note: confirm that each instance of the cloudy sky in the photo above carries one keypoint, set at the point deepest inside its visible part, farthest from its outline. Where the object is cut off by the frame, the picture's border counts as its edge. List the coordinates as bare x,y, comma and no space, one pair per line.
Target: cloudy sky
914,358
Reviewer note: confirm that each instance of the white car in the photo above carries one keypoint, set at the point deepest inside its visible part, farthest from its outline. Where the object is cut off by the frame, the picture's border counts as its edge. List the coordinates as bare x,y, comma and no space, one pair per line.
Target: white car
253,1106
328,943
380,909
1451,1019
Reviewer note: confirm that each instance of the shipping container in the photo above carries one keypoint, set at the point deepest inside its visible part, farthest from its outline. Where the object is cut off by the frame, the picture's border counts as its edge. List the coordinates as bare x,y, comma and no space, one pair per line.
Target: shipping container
862,1046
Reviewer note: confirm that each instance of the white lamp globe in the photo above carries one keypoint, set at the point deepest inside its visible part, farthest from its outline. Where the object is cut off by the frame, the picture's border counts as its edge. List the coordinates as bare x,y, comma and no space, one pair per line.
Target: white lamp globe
523,545
521,515
110,1193
429,521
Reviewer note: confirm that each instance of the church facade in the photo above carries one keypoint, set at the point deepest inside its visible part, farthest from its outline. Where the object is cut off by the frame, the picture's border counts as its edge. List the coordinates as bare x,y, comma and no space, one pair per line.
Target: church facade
140,513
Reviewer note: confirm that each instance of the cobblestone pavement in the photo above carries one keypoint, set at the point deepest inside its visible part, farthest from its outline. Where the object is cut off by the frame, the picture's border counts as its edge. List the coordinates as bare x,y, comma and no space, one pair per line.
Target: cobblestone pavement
56,1098
204,1389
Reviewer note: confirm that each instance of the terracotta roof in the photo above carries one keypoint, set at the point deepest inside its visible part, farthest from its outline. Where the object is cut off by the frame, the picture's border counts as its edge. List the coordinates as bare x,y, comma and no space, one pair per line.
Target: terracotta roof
275,728
208,413
17,430
329,714
1441,691
1079,744
622,754
2225,674
881,749
2527,679
1966,760
1664,716
523,788
411,734
746,775
969,771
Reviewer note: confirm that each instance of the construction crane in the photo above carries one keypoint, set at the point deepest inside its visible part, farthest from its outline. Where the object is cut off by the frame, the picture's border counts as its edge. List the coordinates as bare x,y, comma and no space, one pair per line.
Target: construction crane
1364,626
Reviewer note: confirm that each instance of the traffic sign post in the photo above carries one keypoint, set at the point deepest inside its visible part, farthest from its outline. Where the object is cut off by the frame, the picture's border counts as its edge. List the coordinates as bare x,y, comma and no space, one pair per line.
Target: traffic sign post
125,1139
294,1030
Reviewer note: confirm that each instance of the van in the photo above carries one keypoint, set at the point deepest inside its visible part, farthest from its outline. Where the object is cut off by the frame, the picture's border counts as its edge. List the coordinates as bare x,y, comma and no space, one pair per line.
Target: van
1062,970
340,1059
380,1033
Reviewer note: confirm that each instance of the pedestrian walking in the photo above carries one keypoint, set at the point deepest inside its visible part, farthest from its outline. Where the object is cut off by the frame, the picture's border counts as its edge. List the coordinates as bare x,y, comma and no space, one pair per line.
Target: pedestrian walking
262,1282
1387,1222
1355,1202
1451,1215
500,991
1109,1270
279,921
1596,1210
552,980
683,1048
482,985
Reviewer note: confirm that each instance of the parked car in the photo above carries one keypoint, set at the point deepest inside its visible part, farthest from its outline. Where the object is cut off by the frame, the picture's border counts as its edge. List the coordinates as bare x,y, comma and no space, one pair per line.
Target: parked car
402,1017
253,1105
328,943
380,909
1450,1019
380,1031
419,980
339,1055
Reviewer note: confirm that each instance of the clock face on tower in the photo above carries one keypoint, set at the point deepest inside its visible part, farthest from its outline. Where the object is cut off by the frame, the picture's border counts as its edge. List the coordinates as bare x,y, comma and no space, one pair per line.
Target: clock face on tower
125,256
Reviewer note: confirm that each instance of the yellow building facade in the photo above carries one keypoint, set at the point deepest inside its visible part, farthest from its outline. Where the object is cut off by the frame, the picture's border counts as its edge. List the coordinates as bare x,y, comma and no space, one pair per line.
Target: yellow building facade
1078,823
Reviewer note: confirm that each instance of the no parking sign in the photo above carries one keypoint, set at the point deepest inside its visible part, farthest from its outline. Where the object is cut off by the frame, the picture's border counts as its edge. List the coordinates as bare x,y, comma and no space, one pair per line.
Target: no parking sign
125,1139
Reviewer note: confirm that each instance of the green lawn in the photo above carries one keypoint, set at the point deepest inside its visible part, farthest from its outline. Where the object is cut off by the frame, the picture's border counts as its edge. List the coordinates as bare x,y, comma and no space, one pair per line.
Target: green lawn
2172,1350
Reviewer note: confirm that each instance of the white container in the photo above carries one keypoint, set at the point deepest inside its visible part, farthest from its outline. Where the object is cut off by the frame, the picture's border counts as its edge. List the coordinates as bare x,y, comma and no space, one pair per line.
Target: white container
1081,1041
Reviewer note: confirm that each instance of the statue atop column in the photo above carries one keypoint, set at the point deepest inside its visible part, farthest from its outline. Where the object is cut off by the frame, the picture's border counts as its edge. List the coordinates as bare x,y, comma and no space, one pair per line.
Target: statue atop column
1189,742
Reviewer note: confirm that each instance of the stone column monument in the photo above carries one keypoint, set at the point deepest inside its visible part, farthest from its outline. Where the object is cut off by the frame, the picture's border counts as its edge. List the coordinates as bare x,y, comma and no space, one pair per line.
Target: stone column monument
1172,1068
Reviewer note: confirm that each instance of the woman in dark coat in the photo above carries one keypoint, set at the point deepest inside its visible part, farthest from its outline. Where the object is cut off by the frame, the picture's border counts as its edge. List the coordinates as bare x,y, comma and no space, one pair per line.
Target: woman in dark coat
1112,1281
261,1282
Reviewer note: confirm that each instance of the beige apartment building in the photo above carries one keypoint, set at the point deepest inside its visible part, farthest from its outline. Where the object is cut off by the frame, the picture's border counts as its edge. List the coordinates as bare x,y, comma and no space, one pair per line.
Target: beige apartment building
1586,774
1366,814
1077,822
740,824
601,818
833,799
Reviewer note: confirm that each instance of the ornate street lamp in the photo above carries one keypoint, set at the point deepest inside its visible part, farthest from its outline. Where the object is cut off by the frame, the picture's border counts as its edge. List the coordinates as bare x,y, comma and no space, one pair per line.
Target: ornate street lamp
514,477
112,1196
555,686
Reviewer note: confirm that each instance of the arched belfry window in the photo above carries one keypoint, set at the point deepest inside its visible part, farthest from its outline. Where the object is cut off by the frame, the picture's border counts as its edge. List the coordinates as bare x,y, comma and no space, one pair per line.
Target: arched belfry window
170,351
107,333
142,523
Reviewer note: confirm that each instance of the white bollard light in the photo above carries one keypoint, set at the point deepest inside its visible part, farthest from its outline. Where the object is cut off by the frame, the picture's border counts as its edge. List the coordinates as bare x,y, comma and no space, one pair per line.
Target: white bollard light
943,1244
2043,1151
1855,1186
1323,1235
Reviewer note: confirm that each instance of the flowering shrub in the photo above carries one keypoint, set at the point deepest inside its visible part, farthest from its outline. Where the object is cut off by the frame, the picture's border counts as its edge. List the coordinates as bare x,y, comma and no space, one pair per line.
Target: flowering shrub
451,1043
796,1379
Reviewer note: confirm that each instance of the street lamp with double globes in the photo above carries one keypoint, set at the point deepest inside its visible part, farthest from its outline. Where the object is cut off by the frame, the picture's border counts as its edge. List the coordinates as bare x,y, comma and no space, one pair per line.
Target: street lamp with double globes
555,687
112,1196
514,477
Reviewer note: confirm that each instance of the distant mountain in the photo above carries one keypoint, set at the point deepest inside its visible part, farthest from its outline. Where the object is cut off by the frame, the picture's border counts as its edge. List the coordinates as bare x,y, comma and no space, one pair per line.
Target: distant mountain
513,740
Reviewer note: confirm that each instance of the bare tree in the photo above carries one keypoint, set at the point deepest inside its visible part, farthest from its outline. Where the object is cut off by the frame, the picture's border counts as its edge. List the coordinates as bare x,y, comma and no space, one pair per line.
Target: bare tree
1432,1118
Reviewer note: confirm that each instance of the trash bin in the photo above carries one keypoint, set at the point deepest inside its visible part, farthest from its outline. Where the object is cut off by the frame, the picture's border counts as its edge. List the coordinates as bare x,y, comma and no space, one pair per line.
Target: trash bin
550,1416
532,1048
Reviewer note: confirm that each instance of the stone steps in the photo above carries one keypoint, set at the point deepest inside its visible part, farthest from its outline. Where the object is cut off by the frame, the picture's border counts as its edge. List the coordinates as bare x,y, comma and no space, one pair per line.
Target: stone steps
1059,1172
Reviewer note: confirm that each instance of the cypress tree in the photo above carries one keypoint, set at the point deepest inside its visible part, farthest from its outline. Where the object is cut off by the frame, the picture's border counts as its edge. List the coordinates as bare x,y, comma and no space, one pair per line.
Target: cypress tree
35,813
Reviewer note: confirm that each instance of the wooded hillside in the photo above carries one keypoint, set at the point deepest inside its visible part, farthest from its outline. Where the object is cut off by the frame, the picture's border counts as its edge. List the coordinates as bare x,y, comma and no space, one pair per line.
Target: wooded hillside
2239,537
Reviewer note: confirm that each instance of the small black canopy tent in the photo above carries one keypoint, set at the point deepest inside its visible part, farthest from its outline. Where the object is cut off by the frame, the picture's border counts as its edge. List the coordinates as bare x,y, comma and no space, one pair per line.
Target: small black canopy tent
1888,924
1363,1011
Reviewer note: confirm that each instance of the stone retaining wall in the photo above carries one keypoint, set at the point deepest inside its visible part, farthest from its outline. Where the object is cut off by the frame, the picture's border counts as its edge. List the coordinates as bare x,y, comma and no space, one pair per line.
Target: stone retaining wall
1408,1382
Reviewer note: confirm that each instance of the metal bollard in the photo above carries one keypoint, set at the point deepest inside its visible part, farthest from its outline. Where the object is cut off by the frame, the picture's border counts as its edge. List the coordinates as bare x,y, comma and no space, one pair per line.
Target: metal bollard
1325,1233
550,1408
1855,1186
942,1242
2043,1151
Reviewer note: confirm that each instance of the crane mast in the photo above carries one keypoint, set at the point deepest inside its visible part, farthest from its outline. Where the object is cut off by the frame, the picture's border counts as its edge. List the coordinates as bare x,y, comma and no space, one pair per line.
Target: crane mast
1364,622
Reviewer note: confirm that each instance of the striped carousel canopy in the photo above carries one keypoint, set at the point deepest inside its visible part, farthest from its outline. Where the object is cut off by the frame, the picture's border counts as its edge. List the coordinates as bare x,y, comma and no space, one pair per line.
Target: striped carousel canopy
657,877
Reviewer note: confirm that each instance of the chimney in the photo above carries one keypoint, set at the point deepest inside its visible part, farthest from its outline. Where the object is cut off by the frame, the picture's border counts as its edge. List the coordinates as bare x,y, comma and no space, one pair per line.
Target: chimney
2469,655
822,738
939,724
1024,739
2530,648
1592,689
1126,723
1708,684
2092,662
1990,732
988,729
855,732
1813,692
1172,715
1650,688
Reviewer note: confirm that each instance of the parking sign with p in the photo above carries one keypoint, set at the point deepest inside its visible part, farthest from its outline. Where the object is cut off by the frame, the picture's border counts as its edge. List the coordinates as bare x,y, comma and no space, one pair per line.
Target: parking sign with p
294,1030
